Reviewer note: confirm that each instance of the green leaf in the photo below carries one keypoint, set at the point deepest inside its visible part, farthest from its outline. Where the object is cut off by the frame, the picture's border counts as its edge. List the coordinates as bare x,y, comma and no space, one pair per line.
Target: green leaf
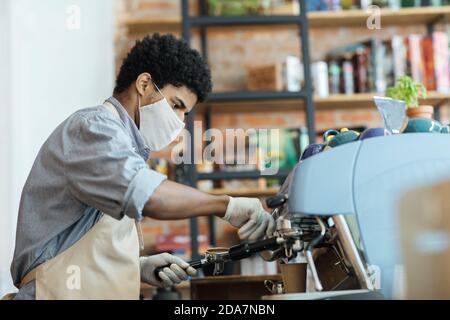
408,90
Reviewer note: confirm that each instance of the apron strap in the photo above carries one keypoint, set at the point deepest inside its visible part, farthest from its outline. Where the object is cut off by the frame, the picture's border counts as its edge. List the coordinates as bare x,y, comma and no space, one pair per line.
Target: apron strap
9,296
108,105
140,236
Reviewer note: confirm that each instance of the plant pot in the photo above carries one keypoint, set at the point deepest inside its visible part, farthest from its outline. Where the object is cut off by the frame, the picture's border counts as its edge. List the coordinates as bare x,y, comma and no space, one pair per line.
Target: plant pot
423,125
420,112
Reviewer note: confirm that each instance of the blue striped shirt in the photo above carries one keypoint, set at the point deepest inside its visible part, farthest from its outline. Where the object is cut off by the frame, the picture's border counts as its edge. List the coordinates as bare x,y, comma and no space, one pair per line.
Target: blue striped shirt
93,163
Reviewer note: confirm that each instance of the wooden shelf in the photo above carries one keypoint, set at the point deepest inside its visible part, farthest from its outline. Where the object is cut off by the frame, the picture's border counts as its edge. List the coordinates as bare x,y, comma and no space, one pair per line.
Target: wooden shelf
365,100
332,102
358,18
317,19
269,192
153,24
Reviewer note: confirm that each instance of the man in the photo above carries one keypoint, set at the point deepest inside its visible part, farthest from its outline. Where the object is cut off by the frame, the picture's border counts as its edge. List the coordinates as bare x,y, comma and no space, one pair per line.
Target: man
78,225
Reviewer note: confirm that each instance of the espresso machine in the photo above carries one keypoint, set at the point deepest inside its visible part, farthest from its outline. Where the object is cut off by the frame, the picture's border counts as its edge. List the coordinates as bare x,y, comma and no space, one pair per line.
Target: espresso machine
338,212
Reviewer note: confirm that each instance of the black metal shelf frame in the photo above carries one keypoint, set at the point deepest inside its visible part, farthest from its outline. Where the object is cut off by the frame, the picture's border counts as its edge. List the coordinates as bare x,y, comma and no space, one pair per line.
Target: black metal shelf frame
203,21
241,175
255,95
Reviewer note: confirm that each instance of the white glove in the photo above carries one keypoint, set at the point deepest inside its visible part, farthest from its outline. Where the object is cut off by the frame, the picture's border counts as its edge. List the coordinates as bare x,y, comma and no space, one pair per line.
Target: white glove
249,216
179,270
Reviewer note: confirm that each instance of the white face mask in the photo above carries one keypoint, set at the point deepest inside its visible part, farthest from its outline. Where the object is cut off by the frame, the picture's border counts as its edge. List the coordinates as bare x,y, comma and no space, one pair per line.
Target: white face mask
159,124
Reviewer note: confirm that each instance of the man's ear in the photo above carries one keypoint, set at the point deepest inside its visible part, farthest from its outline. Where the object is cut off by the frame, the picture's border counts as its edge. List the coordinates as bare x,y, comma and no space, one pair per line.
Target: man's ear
143,83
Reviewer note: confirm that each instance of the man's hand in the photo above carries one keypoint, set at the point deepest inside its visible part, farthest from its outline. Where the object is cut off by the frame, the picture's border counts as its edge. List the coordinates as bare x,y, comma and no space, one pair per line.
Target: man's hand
249,216
179,270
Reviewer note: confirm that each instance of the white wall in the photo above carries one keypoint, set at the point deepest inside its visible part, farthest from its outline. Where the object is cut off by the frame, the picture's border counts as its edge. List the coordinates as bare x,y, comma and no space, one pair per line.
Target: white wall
6,216
48,69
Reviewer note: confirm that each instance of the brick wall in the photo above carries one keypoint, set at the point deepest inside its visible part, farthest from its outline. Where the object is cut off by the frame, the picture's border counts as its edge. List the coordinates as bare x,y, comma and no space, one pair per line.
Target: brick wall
233,49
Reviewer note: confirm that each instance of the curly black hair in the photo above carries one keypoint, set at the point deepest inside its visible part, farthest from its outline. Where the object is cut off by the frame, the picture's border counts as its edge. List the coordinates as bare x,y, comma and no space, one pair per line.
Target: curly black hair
169,61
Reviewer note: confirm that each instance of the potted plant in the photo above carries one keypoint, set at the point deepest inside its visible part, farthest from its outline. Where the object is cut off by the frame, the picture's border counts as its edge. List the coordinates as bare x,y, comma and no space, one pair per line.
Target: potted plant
233,7
409,91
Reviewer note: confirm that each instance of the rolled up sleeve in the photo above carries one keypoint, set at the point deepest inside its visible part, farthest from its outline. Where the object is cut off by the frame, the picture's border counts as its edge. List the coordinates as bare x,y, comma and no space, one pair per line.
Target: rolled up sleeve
139,191
103,170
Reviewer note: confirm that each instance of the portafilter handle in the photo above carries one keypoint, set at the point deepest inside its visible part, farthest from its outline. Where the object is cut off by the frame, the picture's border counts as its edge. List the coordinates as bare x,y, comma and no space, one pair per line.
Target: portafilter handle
196,264
247,249
276,201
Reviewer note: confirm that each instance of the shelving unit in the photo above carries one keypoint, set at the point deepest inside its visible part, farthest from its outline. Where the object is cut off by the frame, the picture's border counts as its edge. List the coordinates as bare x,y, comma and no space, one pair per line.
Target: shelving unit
152,24
358,18
365,100
239,175
253,192
280,101
318,19
265,101
332,102
188,173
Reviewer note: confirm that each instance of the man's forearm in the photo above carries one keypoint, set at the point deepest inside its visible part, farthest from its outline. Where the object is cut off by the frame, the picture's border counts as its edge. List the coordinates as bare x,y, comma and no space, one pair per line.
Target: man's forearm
172,201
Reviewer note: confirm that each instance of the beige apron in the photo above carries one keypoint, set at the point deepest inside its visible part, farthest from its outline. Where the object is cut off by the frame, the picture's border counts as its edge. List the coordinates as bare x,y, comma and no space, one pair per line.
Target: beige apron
103,264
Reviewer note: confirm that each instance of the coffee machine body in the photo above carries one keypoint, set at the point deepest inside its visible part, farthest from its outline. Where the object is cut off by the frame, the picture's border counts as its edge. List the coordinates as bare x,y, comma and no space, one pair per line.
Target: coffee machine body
355,189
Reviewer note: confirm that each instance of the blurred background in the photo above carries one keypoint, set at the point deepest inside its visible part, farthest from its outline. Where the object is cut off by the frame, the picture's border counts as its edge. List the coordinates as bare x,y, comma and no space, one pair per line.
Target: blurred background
57,56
